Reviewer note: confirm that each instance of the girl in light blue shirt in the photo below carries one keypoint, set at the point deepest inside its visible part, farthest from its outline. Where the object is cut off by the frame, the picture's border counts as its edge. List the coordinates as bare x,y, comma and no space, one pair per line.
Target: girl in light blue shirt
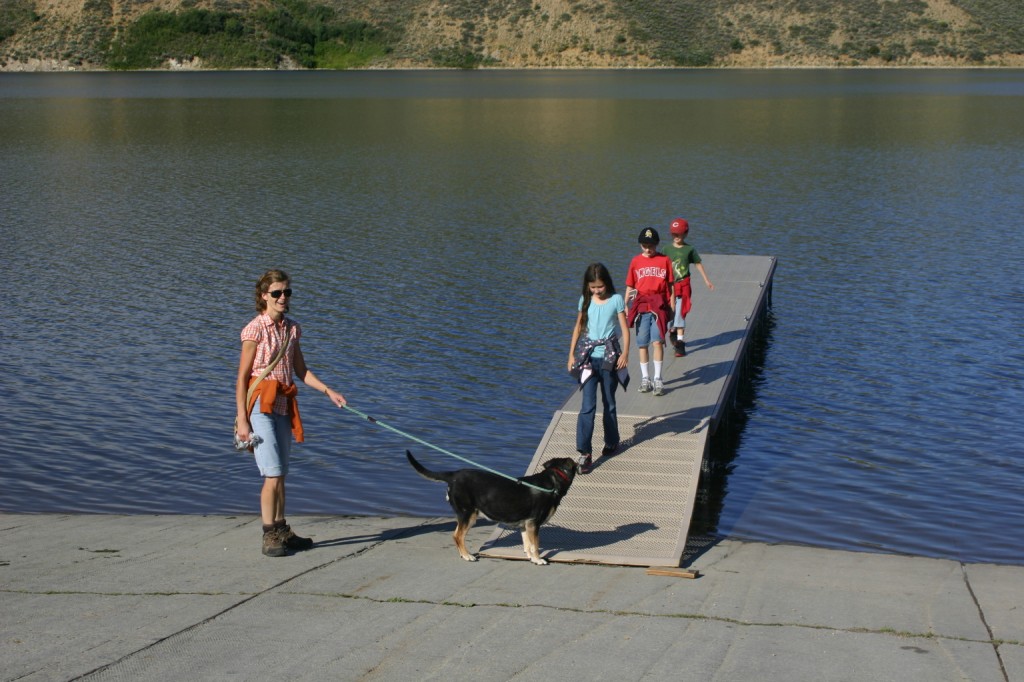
599,356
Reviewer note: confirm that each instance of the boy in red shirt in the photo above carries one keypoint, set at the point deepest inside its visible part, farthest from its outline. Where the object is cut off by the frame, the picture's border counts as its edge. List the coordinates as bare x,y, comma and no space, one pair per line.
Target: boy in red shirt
649,287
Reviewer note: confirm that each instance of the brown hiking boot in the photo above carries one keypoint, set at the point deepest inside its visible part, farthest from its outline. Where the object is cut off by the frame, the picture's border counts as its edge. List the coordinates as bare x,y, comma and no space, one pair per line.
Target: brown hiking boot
273,544
293,541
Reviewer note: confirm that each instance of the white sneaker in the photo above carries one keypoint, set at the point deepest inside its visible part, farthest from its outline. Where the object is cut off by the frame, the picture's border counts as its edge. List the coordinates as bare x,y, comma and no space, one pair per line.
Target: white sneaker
645,385
659,388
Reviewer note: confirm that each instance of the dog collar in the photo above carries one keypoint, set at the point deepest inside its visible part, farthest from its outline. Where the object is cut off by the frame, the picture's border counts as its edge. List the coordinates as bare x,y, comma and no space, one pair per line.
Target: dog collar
562,474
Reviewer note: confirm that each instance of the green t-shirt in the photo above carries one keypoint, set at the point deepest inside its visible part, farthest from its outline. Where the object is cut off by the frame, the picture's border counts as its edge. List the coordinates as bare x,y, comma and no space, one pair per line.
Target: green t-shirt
681,257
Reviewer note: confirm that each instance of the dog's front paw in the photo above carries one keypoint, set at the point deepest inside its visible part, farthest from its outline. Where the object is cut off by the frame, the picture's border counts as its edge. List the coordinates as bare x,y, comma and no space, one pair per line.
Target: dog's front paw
469,557
539,561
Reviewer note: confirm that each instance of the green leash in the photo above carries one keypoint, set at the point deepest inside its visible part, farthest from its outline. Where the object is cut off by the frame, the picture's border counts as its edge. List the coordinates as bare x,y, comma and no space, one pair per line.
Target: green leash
451,454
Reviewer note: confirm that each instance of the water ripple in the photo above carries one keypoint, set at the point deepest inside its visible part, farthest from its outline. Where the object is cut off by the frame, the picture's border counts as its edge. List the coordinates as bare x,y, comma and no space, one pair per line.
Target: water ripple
436,246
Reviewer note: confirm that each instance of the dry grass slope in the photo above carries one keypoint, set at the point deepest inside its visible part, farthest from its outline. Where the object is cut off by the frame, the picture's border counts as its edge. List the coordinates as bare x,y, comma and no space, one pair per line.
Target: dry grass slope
79,34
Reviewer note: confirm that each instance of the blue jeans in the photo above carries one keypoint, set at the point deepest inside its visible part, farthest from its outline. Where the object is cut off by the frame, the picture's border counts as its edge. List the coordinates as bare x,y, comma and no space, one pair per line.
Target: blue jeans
273,453
608,381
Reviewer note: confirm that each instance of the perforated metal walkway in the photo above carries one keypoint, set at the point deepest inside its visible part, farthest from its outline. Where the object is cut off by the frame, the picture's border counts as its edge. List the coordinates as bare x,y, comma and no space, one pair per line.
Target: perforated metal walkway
635,507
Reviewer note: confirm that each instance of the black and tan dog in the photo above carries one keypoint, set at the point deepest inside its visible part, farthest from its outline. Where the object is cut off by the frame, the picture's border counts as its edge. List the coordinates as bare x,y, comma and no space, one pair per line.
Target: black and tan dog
472,492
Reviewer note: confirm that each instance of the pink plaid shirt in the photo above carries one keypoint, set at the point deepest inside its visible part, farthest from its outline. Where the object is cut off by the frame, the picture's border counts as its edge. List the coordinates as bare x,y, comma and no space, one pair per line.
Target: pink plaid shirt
269,337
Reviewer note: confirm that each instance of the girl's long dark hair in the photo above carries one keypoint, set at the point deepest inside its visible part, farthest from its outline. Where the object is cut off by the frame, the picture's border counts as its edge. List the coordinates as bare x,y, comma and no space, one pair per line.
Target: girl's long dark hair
595,272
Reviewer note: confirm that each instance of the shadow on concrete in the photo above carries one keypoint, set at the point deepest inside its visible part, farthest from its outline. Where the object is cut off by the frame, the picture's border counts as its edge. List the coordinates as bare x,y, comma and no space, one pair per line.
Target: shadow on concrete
392,534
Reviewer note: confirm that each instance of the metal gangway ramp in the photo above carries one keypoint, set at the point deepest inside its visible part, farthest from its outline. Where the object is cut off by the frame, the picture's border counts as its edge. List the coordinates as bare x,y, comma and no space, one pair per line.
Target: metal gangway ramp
635,507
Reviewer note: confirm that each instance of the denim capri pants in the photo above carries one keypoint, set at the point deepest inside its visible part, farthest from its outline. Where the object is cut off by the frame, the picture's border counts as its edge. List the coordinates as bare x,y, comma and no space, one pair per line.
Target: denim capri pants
680,321
276,431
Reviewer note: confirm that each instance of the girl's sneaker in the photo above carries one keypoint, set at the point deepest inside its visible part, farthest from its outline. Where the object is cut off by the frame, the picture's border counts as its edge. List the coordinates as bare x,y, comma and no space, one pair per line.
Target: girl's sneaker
645,385
586,463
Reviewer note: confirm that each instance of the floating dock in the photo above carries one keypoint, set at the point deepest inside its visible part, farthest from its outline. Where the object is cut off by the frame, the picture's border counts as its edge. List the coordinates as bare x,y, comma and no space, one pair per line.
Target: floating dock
635,507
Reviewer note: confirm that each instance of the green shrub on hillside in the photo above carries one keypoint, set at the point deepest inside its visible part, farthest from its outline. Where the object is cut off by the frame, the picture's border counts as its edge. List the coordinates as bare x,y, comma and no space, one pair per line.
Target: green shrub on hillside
14,16
456,58
312,35
1000,26
333,55
220,39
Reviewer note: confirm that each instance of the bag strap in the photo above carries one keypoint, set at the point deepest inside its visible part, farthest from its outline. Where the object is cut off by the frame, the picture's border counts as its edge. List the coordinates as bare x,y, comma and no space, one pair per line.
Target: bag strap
267,370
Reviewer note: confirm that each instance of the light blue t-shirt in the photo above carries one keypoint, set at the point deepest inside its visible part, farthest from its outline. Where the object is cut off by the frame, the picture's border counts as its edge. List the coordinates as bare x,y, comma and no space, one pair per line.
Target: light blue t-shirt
603,320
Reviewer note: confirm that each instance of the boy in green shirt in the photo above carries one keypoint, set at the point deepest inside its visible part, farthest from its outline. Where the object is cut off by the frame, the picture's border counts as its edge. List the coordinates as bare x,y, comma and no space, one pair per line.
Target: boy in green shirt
682,255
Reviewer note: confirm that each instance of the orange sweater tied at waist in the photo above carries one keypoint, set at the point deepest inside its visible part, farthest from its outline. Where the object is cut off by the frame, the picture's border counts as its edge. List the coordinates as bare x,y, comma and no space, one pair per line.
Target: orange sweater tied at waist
267,392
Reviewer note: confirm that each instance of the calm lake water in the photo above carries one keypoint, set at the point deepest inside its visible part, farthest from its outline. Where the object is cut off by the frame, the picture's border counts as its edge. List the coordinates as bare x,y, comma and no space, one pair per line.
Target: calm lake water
436,226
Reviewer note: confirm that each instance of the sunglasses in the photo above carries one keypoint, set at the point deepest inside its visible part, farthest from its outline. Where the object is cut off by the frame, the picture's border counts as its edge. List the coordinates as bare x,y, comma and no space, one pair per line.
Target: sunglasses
277,294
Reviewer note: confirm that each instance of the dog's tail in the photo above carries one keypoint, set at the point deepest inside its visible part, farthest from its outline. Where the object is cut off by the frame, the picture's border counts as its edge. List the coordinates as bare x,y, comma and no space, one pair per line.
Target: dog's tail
425,472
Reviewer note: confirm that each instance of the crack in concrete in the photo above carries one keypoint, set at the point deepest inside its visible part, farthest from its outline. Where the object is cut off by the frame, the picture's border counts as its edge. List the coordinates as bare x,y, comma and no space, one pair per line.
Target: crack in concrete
984,621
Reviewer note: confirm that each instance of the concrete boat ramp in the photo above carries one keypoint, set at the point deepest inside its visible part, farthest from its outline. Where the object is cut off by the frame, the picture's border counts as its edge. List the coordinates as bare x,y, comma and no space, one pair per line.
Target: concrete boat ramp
635,507
156,598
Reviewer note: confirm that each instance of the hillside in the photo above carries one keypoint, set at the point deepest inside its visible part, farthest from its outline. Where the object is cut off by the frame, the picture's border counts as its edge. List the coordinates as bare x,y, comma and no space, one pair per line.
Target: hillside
129,34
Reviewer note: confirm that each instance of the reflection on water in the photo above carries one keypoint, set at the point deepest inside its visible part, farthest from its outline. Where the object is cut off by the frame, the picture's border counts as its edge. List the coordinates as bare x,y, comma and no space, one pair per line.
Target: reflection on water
435,225
727,440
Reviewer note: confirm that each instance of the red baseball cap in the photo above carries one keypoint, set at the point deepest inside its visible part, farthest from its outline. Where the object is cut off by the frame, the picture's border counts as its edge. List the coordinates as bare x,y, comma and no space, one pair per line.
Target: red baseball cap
680,226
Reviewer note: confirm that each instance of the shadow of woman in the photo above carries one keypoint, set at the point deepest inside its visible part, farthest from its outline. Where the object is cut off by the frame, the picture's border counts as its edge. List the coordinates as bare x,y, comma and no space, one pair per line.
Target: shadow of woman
390,534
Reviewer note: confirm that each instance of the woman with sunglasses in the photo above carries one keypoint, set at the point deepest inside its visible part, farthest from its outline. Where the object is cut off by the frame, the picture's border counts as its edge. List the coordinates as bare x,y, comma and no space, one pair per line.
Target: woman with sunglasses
272,412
